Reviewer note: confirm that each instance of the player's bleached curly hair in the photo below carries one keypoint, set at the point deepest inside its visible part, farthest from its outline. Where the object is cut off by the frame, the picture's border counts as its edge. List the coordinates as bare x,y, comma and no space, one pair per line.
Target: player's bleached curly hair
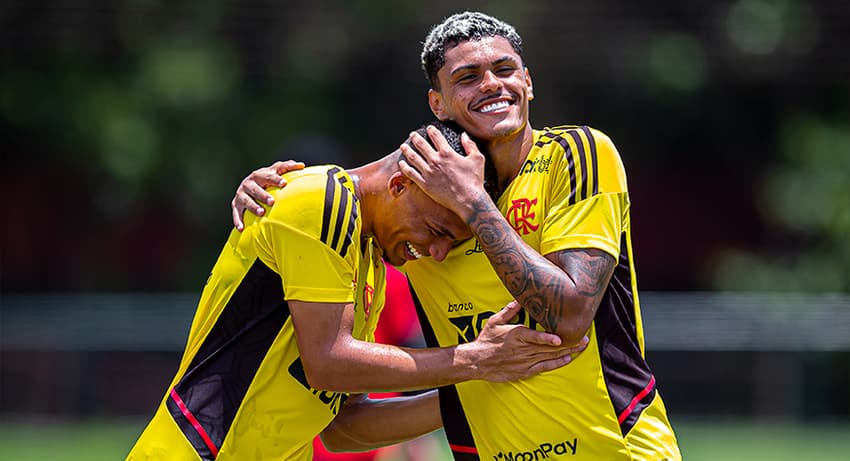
461,27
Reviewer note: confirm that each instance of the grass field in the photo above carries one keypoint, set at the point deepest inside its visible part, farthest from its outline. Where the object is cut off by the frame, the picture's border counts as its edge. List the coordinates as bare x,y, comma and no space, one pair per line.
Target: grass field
699,441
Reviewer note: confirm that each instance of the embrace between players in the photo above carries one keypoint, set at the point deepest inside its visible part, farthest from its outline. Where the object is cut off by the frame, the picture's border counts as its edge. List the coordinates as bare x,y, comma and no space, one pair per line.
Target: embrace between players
281,349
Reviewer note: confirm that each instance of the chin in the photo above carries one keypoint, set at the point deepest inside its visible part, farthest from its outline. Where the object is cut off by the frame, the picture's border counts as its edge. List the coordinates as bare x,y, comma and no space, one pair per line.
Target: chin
499,129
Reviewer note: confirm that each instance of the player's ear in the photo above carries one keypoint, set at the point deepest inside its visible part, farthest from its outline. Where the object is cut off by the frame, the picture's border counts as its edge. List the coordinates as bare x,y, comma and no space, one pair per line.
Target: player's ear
398,184
530,85
435,100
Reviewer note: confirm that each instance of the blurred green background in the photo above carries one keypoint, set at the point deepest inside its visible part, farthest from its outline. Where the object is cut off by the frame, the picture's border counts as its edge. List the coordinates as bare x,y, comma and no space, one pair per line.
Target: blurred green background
125,127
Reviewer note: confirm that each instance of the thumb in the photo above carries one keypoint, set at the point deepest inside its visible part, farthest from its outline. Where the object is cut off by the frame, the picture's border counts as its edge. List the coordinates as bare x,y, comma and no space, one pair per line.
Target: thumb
506,314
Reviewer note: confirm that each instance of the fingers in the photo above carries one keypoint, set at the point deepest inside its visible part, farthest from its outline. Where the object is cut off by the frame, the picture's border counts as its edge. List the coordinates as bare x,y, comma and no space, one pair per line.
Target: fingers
553,361
506,314
255,190
469,145
557,362
287,166
248,197
549,364
240,203
410,172
423,148
236,215
260,179
580,346
415,164
542,338
438,139
418,152
252,190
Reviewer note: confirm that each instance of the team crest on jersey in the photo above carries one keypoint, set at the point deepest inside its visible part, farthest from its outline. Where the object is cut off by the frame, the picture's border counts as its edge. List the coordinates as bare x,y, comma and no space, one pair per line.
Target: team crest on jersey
520,215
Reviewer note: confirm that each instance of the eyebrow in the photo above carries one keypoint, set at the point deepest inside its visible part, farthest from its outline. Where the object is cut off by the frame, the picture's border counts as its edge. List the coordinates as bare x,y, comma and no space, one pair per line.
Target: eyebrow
476,66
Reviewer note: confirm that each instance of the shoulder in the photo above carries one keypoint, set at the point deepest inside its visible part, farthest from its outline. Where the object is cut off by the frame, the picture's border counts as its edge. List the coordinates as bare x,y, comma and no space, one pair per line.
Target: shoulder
589,155
585,139
312,182
313,187
319,201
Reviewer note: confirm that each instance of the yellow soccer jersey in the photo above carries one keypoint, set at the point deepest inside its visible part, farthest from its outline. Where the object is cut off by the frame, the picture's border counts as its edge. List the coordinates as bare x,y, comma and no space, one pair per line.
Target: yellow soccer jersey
240,391
570,193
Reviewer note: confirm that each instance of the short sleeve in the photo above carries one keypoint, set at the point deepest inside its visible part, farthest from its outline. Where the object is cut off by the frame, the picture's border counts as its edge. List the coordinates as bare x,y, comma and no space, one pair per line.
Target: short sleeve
294,240
596,222
588,203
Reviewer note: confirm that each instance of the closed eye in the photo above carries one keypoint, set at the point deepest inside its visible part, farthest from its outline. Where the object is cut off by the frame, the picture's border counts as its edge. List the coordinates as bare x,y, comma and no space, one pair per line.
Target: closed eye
441,232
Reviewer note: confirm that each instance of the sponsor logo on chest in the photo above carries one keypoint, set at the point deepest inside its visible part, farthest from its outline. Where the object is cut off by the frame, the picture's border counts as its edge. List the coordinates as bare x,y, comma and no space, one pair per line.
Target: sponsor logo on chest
539,165
469,326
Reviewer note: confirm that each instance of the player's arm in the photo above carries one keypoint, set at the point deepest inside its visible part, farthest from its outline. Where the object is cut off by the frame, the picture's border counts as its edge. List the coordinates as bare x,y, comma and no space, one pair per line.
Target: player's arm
398,419
562,290
334,360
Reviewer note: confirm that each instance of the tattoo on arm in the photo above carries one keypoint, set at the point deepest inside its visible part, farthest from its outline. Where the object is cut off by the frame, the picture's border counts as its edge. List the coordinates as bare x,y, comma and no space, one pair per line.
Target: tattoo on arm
547,287
591,269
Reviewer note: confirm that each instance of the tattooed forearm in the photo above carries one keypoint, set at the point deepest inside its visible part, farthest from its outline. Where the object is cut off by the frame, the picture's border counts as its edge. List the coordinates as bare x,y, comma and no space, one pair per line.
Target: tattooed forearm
592,269
559,291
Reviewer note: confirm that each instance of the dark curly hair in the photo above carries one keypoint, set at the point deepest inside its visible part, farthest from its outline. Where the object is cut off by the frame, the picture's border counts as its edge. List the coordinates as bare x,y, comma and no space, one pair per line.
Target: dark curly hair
458,28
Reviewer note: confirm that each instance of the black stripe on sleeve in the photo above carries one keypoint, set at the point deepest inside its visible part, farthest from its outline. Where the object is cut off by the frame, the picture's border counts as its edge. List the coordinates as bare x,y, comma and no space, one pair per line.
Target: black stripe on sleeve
340,217
570,160
344,217
593,162
583,160
571,167
327,211
349,233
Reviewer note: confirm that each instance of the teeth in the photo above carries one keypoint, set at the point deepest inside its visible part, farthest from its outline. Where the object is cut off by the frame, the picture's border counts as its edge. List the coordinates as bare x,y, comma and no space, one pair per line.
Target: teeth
494,106
413,251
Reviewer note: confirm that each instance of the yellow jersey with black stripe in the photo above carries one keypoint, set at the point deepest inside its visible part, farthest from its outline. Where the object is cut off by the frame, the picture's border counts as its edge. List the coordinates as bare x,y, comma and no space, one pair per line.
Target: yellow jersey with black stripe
570,193
240,391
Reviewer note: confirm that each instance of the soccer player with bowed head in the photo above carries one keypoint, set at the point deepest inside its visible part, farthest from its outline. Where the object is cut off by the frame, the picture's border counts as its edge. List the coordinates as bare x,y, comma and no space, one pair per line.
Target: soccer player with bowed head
283,327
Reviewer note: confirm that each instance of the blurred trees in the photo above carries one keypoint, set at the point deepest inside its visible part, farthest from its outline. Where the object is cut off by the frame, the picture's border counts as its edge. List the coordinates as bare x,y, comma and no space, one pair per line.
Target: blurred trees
126,125
805,202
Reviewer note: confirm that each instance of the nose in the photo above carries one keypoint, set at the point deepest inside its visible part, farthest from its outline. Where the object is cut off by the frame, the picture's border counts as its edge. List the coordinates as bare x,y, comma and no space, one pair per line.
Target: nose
489,81
440,247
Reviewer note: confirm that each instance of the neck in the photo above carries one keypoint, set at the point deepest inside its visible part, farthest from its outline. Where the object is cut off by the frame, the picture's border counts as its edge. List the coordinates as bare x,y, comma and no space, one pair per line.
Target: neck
508,153
368,183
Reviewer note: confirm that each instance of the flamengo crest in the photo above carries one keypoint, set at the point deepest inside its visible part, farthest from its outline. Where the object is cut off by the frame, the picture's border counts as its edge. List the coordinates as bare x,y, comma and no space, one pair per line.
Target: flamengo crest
520,215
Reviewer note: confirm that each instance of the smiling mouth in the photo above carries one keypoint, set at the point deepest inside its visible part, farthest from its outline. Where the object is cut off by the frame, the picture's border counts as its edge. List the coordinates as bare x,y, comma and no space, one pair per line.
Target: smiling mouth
412,251
494,107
